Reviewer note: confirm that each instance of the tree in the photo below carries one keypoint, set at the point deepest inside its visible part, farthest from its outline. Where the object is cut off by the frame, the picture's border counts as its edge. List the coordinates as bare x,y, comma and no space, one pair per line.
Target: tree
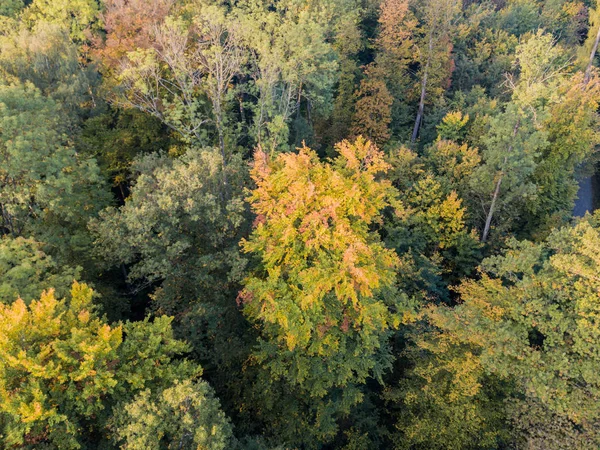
520,17
511,148
483,50
450,158
129,26
376,104
445,399
347,44
291,61
532,147
373,109
592,41
188,61
47,190
26,270
11,7
46,57
63,368
516,136
177,237
567,20
571,127
78,17
186,415
116,138
319,292
529,319
431,237
435,48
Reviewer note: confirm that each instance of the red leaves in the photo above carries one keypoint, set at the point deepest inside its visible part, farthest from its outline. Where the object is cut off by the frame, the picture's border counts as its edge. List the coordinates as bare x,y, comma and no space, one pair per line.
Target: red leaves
244,297
258,220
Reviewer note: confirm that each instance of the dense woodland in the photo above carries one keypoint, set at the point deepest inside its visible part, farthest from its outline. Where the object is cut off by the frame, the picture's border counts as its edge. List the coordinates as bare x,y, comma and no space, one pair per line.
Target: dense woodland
298,224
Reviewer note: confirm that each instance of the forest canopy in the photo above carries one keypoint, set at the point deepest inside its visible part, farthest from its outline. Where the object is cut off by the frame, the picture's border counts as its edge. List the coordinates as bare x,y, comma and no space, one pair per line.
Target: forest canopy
299,224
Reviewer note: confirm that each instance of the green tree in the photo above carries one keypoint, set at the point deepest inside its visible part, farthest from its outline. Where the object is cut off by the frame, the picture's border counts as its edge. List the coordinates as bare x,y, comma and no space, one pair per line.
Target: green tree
431,237
450,158
291,61
26,270
438,27
177,235
508,164
116,138
78,17
11,7
186,415
529,320
533,148
46,57
571,127
483,50
347,44
445,399
191,62
47,189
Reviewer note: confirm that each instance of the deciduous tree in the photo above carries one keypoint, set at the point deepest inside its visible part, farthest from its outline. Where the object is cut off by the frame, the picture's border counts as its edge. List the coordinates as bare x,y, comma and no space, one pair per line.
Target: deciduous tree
26,270
530,320
186,415
78,17
47,189
438,26
63,368
319,292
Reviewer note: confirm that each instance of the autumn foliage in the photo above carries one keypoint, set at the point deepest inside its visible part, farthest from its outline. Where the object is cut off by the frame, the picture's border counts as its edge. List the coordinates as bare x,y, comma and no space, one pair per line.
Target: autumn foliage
322,268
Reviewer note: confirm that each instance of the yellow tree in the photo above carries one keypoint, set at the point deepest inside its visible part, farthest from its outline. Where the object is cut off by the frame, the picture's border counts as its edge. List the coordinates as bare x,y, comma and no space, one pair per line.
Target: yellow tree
384,83
318,292
63,368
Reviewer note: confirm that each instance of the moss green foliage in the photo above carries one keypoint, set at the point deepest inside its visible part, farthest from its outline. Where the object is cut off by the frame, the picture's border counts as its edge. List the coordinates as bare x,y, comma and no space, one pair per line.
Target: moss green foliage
77,17
26,270
180,226
527,323
46,57
183,416
47,189
11,7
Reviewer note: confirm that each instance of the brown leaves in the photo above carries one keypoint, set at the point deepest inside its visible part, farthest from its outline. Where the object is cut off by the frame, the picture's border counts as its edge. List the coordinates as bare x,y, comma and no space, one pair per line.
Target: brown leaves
129,25
373,110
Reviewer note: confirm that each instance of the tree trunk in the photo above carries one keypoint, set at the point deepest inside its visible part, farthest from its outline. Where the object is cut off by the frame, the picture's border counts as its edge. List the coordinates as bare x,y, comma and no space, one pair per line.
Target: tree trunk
417,126
588,69
490,215
488,220
419,118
